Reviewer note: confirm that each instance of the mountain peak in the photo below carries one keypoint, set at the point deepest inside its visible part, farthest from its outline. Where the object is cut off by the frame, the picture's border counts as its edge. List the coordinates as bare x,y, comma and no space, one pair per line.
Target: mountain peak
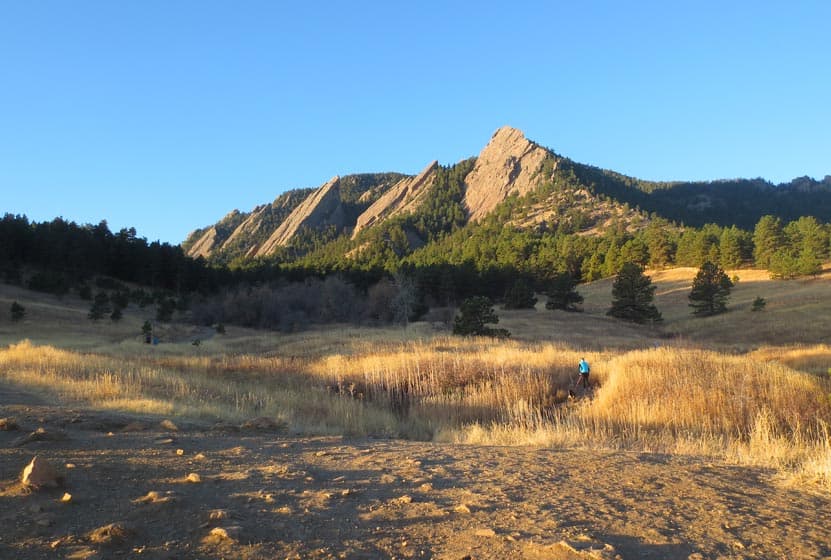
509,164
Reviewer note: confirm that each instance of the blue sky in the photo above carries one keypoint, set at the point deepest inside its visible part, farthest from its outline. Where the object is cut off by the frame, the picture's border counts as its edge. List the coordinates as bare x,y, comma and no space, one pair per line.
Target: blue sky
165,115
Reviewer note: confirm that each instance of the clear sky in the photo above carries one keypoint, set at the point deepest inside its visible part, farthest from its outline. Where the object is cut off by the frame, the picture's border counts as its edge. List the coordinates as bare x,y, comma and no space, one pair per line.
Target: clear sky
165,115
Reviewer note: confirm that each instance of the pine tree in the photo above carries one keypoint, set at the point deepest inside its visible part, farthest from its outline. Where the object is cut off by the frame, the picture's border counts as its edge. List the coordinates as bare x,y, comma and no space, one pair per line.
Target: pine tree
100,306
17,311
562,293
710,290
520,296
768,237
474,314
632,295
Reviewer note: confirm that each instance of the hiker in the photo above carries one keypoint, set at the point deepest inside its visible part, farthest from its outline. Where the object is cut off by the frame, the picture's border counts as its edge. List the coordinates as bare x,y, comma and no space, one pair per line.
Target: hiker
584,369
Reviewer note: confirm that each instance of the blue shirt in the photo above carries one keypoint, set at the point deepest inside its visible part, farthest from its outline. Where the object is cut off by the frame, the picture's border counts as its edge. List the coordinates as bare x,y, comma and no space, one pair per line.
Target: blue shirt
584,366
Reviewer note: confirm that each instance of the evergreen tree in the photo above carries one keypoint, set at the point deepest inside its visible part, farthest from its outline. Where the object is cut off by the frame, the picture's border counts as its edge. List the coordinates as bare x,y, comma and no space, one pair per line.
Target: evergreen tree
632,295
660,242
562,293
768,238
474,314
733,247
17,311
520,296
147,331
100,306
783,264
710,291
165,309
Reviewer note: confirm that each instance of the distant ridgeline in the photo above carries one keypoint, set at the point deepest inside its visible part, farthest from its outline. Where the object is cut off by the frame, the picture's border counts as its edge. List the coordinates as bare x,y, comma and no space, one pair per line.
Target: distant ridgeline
521,208
516,212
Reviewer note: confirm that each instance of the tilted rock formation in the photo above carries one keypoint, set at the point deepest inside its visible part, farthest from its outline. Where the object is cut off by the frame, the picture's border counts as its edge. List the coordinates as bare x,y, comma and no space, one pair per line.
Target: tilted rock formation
508,164
204,245
404,196
321,208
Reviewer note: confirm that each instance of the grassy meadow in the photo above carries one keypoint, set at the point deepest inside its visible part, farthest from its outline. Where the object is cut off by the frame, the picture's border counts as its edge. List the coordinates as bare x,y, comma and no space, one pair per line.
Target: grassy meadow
749,387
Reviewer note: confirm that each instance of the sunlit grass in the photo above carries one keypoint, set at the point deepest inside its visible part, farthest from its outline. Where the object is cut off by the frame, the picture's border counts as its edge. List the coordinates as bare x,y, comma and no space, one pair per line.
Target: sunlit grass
736,398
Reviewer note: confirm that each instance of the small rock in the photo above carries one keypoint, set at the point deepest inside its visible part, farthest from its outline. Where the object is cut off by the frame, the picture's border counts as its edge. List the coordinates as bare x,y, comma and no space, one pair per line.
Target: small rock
218,514
193,477
199,457
110,534
426,487
168,425
41,434
8,425
40,474
485,533
70,465
134,427
461,508
154,497
223,534
164,441
263,424
66,498
321,453
180,452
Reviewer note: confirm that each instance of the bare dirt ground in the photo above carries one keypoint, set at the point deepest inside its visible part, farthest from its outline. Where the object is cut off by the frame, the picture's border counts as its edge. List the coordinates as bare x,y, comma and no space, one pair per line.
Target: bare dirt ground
265,494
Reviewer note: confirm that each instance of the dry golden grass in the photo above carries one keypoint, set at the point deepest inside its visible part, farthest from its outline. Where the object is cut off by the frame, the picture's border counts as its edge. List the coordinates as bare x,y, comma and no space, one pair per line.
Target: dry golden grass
736,394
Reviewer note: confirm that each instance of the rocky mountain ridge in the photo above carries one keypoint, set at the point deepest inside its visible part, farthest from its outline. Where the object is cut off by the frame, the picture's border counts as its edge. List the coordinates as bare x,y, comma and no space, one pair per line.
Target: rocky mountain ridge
508,166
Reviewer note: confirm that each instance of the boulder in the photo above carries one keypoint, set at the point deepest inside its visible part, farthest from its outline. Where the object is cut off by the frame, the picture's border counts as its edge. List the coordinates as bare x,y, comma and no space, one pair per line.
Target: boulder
40,474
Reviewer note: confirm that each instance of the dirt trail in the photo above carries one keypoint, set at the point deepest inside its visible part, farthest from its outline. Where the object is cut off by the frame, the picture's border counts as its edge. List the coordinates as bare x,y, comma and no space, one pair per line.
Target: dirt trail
275,496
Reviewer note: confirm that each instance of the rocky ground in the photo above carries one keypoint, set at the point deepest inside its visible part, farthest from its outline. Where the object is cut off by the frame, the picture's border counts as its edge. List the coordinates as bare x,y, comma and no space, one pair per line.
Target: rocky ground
138,488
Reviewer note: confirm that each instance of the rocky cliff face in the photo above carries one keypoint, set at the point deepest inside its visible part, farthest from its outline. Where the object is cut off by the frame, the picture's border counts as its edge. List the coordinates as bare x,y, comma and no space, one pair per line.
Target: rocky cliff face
320,209
202,243
508,164
403,197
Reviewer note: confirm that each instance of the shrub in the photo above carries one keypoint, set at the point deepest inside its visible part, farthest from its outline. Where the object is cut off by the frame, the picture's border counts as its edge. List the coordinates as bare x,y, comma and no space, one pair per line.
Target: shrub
17,311
758,304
